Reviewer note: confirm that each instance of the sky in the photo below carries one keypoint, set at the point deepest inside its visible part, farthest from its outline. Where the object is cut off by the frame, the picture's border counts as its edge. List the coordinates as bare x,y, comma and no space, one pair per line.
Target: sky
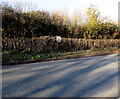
107,8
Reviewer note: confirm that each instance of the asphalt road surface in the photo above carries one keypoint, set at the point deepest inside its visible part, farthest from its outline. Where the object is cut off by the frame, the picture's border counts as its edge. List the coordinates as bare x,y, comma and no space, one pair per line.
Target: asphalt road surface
81,77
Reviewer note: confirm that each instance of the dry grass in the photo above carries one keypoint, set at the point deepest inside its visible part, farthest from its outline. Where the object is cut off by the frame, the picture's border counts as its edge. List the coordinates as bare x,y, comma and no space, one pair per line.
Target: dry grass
23,57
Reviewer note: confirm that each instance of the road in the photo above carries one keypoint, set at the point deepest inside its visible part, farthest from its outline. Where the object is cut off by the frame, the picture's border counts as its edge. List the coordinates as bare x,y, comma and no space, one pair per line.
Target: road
81,77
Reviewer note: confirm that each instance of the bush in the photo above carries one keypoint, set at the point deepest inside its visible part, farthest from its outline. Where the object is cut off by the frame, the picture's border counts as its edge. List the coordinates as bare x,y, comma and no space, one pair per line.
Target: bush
17,24
49,44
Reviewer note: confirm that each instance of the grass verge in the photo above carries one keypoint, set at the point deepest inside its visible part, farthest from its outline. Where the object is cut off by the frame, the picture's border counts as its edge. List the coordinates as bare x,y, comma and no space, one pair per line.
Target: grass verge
13,58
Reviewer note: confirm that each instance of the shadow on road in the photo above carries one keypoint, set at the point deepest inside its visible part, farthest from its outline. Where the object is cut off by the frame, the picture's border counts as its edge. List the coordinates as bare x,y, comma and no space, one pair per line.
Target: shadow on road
76,78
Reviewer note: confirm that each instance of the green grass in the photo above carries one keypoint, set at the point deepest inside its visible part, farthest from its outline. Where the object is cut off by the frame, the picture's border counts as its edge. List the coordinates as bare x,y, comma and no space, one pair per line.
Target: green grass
12,58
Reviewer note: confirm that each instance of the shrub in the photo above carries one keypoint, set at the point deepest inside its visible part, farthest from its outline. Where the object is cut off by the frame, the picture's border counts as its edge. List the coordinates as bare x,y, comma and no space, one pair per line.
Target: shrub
48,44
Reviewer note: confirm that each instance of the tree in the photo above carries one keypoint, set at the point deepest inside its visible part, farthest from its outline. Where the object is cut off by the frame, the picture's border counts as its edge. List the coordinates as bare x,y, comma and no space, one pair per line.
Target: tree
77,25
92,22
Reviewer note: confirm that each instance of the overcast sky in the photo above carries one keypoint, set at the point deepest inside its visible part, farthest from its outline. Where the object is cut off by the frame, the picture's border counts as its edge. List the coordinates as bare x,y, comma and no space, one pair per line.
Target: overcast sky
106,7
